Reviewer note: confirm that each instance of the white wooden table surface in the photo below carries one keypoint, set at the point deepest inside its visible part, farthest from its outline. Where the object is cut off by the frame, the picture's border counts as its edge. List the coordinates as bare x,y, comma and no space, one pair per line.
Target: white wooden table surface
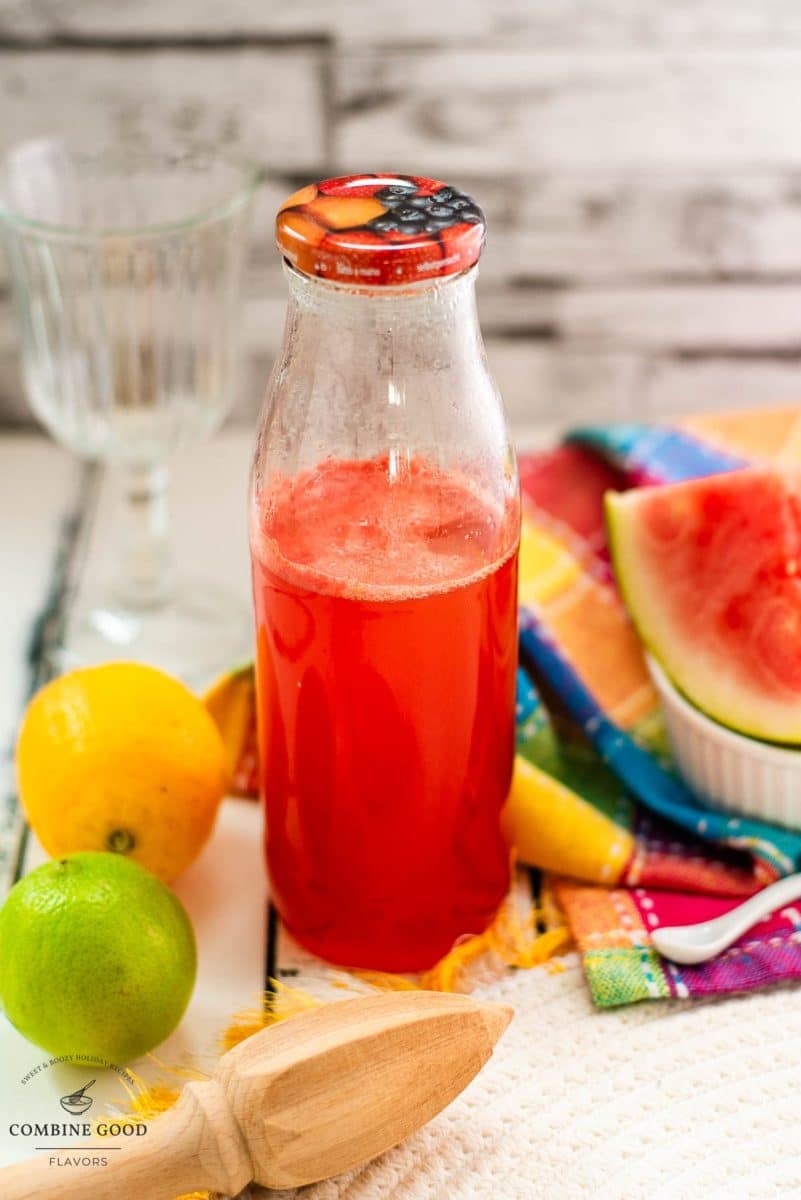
225,889
662,1100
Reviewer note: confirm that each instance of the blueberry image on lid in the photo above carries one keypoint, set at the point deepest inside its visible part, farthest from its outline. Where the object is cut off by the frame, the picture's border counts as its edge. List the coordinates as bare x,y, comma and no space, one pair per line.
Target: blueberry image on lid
380,229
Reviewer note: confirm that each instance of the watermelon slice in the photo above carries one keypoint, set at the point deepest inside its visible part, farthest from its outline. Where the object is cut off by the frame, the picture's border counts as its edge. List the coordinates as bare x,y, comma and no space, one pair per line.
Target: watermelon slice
710,571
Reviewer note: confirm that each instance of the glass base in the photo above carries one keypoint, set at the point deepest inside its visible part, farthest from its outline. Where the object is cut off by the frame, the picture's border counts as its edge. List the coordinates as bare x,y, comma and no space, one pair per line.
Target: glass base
202,631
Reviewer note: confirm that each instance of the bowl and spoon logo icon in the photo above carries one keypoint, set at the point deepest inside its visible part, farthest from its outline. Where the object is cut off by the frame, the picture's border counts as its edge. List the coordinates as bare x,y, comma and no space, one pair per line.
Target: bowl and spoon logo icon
77,1103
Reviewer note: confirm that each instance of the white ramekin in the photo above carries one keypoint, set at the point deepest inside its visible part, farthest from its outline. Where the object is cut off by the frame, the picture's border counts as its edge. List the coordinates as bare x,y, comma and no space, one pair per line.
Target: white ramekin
731,771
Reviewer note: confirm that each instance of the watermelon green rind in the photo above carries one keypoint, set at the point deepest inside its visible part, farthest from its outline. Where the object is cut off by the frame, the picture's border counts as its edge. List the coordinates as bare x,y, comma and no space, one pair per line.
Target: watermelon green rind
735,687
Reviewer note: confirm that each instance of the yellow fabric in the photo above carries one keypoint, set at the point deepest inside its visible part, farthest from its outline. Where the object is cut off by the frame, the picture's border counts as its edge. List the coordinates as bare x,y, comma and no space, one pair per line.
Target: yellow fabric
546,566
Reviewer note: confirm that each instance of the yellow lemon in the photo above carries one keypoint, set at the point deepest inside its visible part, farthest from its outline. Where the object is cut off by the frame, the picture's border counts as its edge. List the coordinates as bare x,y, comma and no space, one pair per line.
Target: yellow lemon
121,757
231,701
552,827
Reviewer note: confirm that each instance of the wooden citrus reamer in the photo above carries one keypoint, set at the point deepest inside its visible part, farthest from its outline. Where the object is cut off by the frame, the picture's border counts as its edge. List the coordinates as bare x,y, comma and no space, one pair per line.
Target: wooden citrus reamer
300,1101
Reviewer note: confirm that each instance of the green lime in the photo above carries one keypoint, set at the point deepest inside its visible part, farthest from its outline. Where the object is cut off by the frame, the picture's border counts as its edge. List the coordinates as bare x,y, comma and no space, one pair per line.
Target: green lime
97,958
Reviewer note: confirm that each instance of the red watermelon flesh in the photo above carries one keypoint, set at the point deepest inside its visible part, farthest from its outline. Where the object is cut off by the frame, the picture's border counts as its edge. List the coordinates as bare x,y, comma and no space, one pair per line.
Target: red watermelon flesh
710,571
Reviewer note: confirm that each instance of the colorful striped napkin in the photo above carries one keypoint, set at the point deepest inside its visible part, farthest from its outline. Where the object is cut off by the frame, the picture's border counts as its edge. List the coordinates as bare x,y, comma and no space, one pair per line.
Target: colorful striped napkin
589,718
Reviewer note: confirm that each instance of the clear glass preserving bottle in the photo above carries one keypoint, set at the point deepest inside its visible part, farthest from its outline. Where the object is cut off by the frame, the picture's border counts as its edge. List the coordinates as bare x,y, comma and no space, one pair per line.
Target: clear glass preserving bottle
384,528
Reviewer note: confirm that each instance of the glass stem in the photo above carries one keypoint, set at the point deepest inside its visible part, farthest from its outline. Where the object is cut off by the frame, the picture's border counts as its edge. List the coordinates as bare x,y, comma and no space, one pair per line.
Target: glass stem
145,576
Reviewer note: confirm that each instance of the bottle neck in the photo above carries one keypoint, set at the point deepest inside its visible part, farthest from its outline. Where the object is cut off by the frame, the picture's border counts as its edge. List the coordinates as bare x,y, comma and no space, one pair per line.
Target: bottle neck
424,324
396,373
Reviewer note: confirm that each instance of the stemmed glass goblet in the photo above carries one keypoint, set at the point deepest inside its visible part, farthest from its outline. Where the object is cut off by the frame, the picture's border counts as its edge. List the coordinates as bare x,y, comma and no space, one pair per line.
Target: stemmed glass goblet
128,272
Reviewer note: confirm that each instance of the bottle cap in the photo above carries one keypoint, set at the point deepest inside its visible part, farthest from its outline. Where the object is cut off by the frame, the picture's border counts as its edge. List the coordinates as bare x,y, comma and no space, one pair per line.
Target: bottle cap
380,230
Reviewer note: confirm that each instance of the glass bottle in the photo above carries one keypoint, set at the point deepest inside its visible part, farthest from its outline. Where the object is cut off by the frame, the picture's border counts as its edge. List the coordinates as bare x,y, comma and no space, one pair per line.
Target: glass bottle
384,528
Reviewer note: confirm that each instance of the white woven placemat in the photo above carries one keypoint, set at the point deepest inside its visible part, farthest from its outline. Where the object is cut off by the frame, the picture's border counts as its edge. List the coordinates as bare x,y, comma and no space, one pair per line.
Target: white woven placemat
660,1101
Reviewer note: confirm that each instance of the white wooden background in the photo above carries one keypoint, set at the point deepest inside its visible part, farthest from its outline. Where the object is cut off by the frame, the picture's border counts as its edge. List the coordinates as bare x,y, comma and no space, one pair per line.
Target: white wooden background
639,162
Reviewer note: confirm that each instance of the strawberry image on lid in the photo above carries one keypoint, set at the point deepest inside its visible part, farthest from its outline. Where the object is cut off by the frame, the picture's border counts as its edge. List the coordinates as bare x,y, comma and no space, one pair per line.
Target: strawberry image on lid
380,229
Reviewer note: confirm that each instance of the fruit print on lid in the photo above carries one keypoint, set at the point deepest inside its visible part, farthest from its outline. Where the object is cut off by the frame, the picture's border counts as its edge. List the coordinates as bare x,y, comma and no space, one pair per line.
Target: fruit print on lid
380,229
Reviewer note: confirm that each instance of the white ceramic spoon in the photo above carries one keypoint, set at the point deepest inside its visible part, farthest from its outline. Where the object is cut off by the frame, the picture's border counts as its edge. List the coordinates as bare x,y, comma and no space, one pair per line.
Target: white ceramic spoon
697,943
